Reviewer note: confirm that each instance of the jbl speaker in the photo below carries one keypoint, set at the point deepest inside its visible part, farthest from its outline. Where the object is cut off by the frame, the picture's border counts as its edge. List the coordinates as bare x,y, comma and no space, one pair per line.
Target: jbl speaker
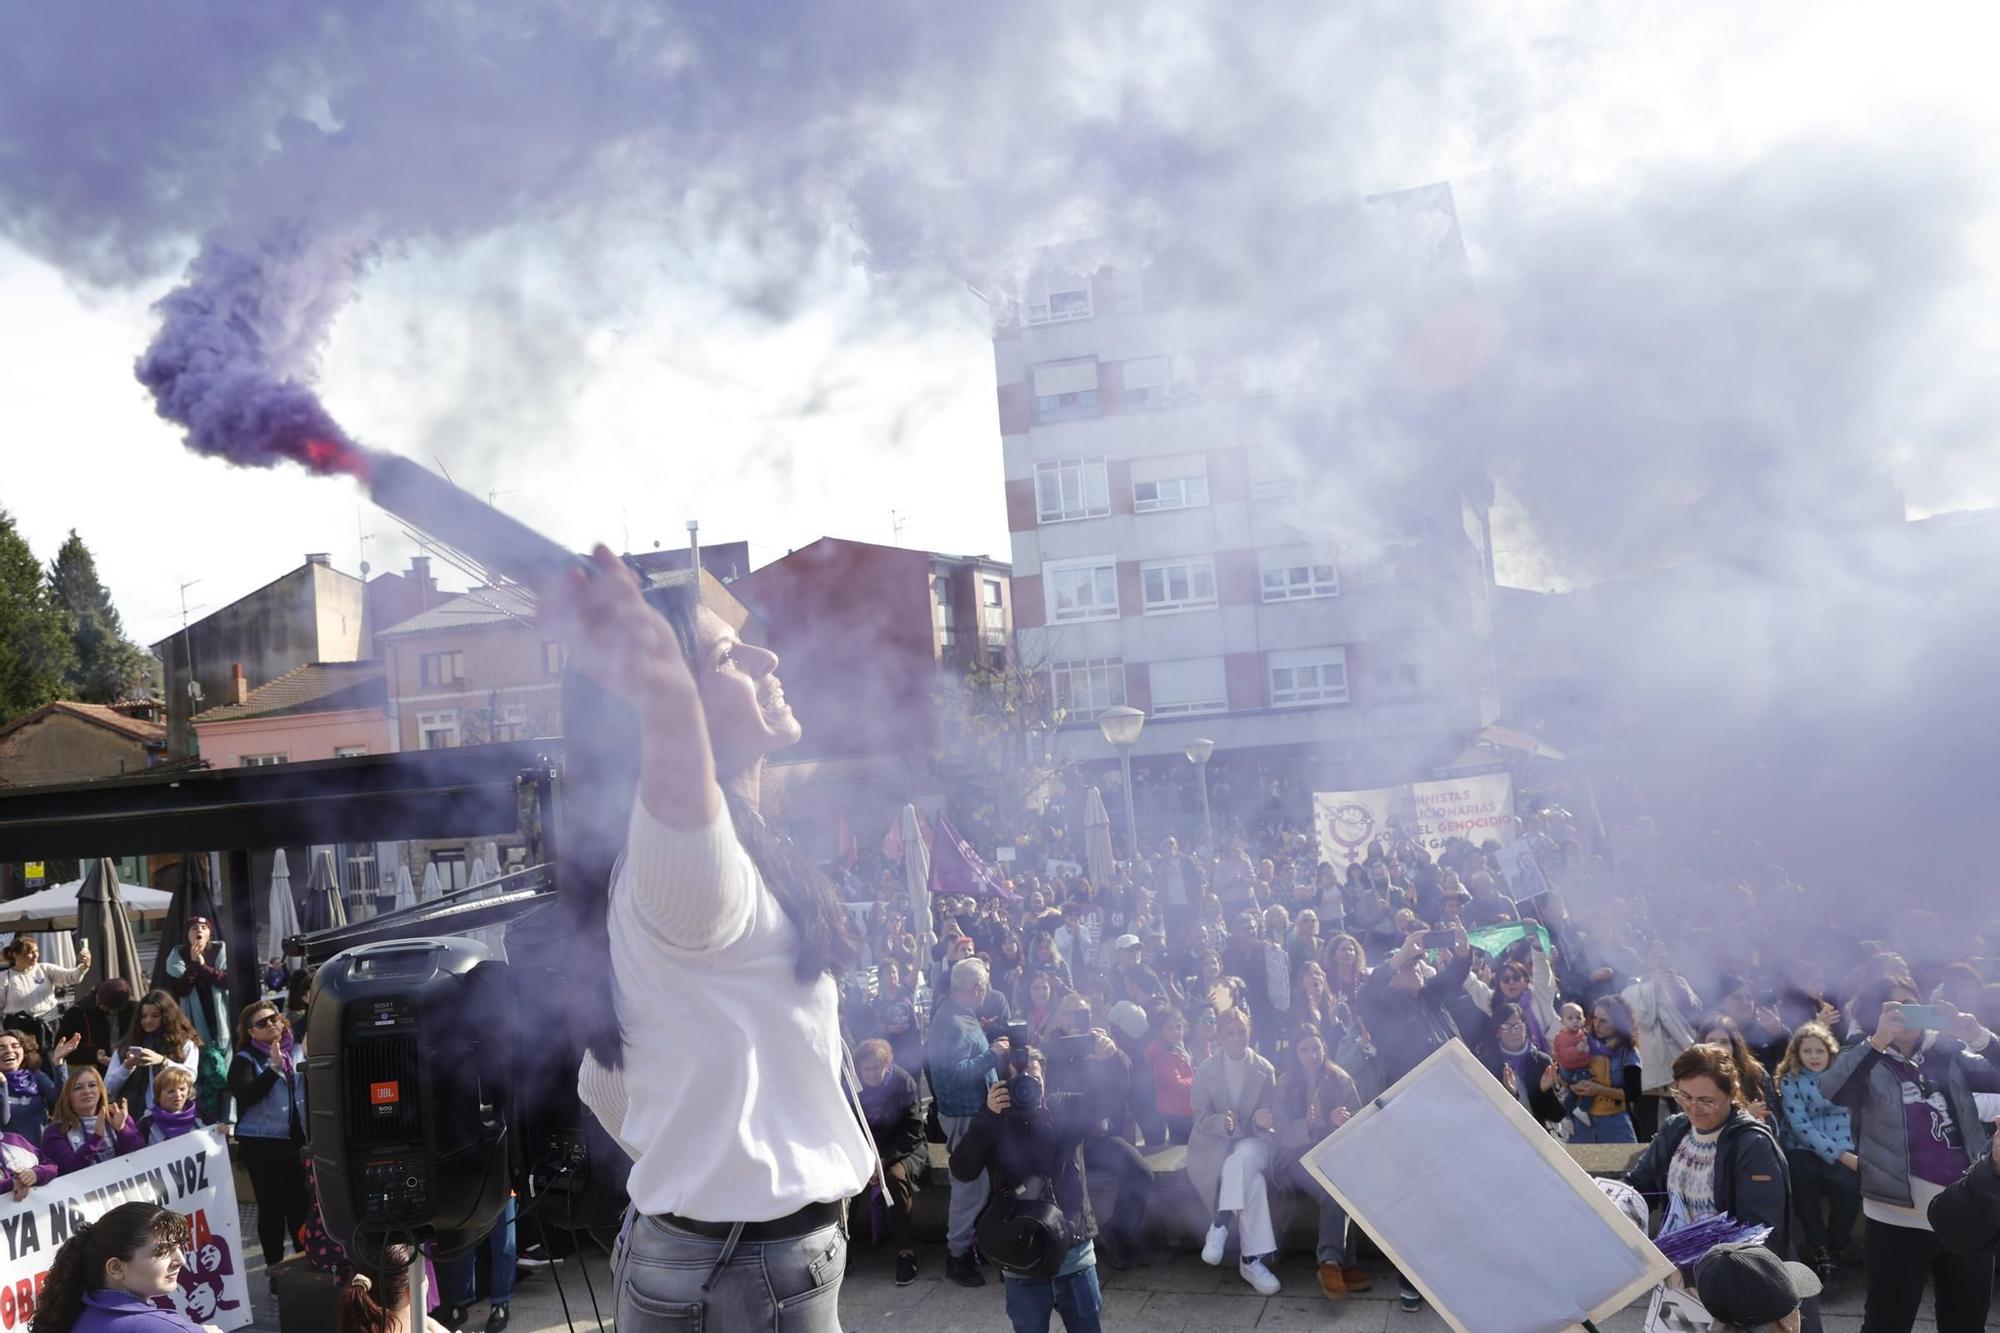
409,1063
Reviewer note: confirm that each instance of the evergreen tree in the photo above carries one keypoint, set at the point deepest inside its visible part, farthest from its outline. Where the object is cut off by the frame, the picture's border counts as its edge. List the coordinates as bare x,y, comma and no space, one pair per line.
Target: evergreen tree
106,666
35,648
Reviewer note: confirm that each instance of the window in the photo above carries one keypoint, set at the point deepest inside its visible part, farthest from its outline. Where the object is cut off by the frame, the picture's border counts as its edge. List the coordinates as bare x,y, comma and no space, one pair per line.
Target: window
1087,687
1294,573
553,657
443,669
262,760
349,751
1055,297
1065,390
1153,381
1398,680
362,881
990,591
1193,685
1140,289
1084,590
1309,676
947,621
1071,488
437,731
1177,482
1177,585
451,869
510,723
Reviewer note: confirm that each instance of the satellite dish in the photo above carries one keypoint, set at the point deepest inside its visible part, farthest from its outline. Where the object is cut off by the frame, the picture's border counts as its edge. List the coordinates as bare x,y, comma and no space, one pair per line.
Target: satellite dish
364,569
194,689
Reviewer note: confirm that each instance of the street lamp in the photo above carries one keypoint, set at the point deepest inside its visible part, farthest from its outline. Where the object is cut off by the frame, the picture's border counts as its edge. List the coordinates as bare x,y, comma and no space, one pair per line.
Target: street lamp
1121,726
1198,752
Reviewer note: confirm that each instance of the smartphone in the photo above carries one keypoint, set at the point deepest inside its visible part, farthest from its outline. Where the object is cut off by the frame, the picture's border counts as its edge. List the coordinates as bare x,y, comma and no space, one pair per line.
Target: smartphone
1930,1017
1440,939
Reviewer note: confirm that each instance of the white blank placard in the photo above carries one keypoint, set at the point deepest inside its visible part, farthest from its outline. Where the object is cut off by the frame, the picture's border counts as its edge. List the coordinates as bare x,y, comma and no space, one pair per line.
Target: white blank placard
1480,1207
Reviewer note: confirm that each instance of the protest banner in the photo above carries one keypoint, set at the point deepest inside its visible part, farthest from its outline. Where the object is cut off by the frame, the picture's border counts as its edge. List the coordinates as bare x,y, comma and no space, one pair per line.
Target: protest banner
1480,1207
1348,821
191,1175
1471,808
1521,872
1428,813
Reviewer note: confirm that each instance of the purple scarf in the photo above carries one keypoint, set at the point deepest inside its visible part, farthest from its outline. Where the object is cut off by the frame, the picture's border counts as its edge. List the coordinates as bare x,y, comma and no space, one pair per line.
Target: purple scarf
173,1124
20,1083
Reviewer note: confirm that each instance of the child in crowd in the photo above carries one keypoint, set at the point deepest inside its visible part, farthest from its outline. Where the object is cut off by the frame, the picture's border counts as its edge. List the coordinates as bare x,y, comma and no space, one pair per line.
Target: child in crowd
174,1112
1572,1045
1173,1076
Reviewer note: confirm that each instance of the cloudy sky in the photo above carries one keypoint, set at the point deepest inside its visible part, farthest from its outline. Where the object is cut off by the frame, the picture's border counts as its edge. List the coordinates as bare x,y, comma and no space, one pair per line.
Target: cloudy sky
626,268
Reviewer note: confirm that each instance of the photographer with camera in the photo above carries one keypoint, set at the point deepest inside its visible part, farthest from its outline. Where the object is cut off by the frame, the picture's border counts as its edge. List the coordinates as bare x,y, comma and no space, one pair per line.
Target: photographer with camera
962,1062
1087,1060
1025,1147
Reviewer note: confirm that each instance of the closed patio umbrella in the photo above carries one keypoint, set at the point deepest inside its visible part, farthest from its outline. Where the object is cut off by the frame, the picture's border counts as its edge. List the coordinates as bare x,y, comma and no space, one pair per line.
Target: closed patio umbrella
1097,853
406,892
917,876
281,914
102,924
324,909
433,883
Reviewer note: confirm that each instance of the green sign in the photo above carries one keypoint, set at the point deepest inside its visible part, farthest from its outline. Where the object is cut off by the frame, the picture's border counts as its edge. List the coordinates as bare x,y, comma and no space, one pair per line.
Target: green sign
1493,939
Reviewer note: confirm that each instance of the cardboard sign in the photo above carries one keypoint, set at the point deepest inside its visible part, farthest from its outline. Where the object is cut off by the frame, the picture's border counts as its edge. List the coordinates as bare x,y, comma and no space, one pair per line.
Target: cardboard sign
1521,872
1480,1208
190,1175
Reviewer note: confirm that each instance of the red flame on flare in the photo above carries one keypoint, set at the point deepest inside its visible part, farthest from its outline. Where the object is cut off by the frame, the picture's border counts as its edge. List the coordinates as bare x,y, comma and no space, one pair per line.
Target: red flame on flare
328,457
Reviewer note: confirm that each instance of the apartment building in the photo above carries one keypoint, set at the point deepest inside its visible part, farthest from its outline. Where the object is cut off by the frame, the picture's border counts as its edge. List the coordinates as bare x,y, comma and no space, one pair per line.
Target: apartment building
1174,549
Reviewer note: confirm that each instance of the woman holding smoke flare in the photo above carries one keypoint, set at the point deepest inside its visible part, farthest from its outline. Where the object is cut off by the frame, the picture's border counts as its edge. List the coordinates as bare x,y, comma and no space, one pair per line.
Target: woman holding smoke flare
711,950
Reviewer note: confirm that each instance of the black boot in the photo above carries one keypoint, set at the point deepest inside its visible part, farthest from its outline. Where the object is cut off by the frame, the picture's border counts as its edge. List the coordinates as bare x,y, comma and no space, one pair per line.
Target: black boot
964,1270
452,1316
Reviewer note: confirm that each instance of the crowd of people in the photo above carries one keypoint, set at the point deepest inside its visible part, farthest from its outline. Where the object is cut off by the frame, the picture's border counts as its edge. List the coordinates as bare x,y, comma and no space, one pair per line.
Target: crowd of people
1784,1059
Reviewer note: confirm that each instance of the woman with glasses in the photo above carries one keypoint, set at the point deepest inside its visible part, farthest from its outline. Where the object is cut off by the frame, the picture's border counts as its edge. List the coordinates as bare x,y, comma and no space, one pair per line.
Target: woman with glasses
1916,1128
270,1124
1715,1157
1528,1074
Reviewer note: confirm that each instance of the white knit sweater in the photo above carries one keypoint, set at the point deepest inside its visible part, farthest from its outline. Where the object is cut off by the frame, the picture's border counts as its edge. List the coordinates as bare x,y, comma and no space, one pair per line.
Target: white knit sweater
730,1100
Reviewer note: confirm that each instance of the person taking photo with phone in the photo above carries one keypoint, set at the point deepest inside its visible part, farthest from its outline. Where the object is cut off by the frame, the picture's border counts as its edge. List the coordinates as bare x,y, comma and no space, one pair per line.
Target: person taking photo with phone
1909,1088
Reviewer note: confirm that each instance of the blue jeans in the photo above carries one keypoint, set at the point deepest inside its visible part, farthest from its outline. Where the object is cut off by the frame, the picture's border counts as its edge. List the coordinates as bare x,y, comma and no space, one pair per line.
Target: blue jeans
792,1284
1077,1296
1613,1128
457,1278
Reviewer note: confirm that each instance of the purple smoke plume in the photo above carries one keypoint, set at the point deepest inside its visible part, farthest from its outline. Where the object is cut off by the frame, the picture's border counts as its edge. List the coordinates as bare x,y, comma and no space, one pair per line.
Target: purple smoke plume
237,346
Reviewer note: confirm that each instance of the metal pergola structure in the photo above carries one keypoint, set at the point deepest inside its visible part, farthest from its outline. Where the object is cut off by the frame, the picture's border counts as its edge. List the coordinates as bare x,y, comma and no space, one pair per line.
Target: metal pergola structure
472,791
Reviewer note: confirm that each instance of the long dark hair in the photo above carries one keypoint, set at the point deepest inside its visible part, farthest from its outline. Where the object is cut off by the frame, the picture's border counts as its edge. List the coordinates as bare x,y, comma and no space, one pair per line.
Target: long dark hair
601,748
375,1296
175,1030
79,1265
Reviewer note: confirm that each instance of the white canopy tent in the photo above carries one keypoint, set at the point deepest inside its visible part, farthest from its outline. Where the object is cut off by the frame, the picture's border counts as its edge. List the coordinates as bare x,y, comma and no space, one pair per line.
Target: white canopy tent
54,908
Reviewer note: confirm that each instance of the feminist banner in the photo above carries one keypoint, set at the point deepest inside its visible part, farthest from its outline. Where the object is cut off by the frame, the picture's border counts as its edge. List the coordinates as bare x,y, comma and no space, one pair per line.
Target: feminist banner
1427,813
190,1175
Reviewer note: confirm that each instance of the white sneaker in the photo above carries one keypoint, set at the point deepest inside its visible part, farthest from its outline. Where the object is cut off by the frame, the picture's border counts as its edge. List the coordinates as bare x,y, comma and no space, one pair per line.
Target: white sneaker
1258,1276
1211,1249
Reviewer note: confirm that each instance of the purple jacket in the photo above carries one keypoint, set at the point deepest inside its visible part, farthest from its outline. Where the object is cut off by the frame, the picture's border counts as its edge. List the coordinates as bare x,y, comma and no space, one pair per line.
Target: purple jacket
45,1170
108,1310
70,1158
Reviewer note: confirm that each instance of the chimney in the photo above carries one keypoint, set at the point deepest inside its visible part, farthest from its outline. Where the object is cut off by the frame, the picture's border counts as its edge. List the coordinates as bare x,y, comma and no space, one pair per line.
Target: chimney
420,572
239,688
319,558
694,551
